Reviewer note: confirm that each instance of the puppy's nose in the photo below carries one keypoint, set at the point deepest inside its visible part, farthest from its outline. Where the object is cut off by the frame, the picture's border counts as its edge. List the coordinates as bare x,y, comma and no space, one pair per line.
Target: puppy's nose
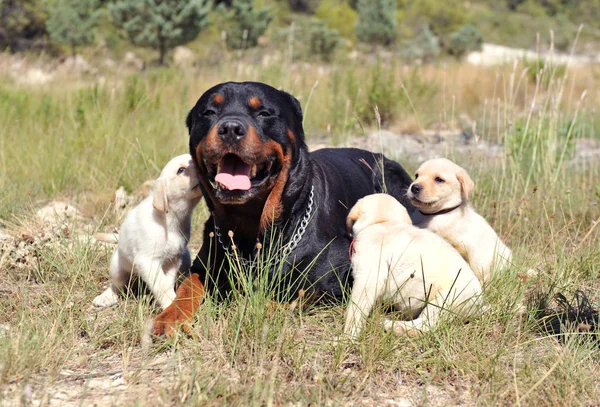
231,131
416,188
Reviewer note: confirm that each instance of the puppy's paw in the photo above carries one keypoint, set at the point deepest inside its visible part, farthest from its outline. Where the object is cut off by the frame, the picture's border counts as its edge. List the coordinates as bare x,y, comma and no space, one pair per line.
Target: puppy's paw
400,327
107,299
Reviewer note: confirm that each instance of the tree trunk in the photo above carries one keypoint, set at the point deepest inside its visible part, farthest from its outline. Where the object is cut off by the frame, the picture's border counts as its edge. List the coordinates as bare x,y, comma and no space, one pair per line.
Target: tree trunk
162,51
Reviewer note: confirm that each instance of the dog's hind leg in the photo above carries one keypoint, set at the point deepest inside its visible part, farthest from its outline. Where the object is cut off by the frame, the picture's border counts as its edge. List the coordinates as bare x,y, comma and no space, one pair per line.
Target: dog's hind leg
428,318
367,288
119,276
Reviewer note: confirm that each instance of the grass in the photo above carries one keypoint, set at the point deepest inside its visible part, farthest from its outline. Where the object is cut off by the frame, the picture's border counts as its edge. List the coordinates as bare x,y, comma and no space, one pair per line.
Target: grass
80,141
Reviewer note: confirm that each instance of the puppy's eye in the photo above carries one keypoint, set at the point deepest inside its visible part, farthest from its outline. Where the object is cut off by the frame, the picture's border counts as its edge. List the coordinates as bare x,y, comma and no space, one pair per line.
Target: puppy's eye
209,112
263,113
439,180
180,170
417,175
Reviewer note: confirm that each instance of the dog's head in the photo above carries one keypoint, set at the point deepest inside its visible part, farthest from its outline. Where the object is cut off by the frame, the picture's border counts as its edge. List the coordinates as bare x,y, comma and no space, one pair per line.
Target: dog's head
177,182
439,184
244,138
373,209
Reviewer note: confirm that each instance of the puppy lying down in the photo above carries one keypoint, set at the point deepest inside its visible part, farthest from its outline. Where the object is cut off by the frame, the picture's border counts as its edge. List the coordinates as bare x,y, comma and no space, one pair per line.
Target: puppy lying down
440,192
153,239
415,269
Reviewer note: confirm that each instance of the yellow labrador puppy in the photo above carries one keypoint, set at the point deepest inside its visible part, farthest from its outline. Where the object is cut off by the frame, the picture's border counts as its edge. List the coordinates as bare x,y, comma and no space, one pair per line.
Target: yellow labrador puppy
441,191
415,269
153,239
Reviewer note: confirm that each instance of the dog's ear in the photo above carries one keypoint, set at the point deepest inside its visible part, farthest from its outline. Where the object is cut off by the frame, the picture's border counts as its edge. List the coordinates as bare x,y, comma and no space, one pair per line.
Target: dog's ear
160,201
189,120
466,183
297,107
352,218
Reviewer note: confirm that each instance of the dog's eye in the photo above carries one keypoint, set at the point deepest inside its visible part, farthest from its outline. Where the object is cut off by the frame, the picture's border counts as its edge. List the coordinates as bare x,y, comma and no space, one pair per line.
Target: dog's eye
417,175
180,170
209,112
439,180
263,113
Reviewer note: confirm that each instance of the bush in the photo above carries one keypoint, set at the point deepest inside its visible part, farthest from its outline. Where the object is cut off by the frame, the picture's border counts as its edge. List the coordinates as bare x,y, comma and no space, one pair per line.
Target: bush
338,15
376,21
423,48
245,24
160,24
22,22
465,40
72,22
322,40
303,6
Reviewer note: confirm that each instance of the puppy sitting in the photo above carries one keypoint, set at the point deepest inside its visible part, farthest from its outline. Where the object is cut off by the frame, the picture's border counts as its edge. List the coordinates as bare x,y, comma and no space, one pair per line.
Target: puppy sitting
154,236
440,192
415,269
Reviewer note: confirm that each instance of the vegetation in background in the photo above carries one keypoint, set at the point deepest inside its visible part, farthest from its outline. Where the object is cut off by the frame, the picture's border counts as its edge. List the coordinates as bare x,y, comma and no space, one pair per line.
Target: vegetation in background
466,39
161,25
22,23
338,15
376,22
72,22
423,48
244,24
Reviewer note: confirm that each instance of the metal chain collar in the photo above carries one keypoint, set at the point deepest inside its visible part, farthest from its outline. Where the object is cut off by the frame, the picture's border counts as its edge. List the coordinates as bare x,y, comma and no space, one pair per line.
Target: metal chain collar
293,243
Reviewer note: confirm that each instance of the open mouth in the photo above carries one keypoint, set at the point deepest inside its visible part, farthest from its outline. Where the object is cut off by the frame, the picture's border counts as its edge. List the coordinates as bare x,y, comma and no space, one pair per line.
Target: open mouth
231,173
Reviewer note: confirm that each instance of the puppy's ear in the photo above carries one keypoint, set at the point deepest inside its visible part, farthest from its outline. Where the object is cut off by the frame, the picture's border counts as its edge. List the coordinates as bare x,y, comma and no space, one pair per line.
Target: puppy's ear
160,201
351,219
466,183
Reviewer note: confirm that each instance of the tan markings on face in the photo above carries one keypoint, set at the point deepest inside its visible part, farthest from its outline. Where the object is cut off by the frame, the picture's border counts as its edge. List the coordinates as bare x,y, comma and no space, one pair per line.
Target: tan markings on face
292,137
255,103
218,98
273,205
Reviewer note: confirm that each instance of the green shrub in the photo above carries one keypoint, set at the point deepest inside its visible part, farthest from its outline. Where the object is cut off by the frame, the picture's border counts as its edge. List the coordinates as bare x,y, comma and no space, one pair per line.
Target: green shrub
465,40
244,24
22,22
160,24
376,21
322,40
303,6
72,22
338,15
423,48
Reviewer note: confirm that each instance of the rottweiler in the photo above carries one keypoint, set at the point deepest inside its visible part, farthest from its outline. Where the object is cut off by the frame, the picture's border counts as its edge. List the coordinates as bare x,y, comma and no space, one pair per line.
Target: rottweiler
267,193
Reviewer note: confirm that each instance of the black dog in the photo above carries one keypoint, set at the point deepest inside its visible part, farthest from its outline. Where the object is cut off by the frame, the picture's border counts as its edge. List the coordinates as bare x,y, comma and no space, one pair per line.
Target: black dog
260,182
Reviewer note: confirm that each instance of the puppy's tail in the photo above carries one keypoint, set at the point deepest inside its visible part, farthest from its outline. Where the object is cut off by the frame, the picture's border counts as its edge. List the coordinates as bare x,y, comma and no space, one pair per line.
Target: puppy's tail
107,237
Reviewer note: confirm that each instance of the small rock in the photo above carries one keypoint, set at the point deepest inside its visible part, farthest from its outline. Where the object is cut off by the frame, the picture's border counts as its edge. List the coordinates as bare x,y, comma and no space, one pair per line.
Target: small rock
183,57
98,384
132,61
57,212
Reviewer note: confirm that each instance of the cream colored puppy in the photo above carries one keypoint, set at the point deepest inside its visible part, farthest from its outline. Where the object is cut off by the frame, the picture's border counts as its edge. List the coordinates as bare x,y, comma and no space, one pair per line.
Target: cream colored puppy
415,269
153,239
441,191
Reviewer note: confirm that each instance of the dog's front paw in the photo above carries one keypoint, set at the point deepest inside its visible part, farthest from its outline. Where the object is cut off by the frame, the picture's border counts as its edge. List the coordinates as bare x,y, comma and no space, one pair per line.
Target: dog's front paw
107,299
169,321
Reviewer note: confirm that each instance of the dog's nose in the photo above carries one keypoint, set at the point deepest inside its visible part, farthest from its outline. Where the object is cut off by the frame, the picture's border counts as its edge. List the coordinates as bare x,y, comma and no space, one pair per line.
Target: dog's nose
416,188
231,131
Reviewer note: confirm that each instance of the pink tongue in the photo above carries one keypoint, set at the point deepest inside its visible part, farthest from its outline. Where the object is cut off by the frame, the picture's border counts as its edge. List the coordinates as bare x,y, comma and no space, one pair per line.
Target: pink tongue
234,174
